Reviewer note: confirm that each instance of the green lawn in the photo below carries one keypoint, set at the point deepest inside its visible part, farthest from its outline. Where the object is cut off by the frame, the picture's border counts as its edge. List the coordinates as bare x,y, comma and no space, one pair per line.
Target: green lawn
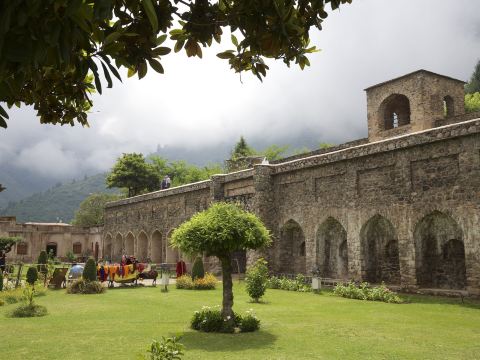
122,322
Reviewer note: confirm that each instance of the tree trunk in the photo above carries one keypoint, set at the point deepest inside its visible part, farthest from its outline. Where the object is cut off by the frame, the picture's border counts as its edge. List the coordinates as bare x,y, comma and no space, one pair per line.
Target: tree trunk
227,303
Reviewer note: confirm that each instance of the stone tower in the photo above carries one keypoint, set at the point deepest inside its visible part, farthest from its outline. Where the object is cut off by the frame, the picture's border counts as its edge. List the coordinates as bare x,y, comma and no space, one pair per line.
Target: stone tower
412,103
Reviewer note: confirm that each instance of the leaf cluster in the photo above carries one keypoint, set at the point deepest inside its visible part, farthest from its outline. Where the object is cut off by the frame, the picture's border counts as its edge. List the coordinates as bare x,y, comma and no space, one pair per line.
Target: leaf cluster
473,86
67,45
92,209
472,102
7,243
220,230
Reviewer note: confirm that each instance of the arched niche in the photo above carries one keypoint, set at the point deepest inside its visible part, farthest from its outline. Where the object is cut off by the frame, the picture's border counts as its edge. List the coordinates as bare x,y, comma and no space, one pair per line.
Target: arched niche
394,112
440,252
129,244
291,249
172,254
332,251
142,247
156,247
117,247
380,254
108,247
448,106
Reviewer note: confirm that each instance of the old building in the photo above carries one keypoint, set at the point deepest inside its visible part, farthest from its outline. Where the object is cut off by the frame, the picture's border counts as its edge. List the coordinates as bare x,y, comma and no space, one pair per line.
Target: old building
56,238
401,206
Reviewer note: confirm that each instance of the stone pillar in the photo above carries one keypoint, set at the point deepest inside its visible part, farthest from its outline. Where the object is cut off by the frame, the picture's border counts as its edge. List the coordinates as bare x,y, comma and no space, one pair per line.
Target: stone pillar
264,207
217,188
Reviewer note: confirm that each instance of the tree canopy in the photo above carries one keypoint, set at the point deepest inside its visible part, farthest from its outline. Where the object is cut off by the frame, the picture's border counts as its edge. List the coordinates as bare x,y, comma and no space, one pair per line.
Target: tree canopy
52,53
7,243
131,171
219,231
472,102
92,209
473,85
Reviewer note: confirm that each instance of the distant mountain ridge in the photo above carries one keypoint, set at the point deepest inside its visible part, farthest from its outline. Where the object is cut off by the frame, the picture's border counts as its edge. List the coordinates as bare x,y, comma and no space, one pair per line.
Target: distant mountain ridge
58,203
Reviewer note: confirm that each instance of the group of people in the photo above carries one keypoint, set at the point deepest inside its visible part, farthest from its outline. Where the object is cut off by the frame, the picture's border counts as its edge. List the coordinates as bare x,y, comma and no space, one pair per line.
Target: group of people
166,183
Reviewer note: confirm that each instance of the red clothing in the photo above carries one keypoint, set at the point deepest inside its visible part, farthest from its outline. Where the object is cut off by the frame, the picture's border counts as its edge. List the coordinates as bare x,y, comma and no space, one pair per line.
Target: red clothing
181,268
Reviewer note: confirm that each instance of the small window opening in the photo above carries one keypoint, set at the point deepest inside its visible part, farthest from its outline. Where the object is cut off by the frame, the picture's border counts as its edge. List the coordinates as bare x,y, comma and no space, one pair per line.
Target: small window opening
448,106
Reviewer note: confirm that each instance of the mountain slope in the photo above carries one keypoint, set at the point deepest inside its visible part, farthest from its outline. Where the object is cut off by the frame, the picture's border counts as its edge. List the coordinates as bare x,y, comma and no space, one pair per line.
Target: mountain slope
58,203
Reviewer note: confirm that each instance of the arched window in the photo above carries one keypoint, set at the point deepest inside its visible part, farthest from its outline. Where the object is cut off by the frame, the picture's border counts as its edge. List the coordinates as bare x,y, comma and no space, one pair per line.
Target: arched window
302,249
395,111
77,248
22,248
448,106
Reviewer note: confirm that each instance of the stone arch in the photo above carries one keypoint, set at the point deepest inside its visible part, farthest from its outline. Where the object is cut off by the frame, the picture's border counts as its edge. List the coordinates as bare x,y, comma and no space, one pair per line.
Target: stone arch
172,255
117,247
156,247
142,247
394,111
108,247
52,248
130,244
292,249
379,250
332,250
440,252
448,106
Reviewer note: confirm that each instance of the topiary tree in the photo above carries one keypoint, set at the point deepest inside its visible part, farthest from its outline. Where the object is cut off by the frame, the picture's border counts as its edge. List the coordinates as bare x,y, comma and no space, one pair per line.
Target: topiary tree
90,271
7,243
256,279
32,275
42,263
198,271
219,231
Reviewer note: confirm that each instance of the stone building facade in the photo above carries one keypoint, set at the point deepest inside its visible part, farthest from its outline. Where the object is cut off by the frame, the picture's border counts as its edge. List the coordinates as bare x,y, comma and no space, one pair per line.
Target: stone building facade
402,206
57,238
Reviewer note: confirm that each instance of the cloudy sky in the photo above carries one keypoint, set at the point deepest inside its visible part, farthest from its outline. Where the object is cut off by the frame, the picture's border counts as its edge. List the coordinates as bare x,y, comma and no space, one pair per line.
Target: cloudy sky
200,103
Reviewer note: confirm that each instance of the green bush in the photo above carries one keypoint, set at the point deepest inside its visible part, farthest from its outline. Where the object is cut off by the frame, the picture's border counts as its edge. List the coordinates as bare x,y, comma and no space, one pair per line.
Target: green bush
27,310
90,270
42,263
298,284
70,256
208,282
82,286
13,296
249,322
166,349
210,319
198,271
256,279
364,292
1,280
32,275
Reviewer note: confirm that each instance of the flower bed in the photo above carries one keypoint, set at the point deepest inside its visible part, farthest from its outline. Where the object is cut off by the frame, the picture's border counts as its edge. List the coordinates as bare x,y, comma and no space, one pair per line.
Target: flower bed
208,282
365,292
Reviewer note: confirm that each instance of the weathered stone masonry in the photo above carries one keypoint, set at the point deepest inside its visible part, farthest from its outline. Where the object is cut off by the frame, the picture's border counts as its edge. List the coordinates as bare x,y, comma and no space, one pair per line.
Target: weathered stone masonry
402,207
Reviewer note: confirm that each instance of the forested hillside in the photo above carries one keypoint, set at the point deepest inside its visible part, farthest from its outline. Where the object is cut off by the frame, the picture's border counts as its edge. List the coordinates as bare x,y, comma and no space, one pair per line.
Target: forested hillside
58,203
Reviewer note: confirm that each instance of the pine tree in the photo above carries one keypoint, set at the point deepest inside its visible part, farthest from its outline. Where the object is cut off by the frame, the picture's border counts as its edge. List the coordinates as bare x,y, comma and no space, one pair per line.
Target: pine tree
473,85
90,271
198,271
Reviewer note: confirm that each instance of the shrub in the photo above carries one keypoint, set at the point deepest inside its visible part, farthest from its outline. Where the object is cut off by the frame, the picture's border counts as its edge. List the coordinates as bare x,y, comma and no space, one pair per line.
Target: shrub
42,262
32,275
90,270
70,256
82,286
1,280
210,319
29,311
184,282
364,292
208,282
256,279
298,284
198,271
13,296
249,322
166,349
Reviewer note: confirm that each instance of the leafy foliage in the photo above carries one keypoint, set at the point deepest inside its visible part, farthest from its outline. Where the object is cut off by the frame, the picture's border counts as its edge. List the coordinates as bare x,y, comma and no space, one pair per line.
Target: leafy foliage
198,270
82,286
210,319
249,322
91,210
473,85
472,102
32,275
67,45
218,231
166,349
29,309
7,243
365,292
256,279
283,283
90,270
208,282
42,262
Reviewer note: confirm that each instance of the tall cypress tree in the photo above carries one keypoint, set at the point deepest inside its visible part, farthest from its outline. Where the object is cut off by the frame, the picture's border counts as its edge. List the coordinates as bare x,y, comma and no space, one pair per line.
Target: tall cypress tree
473,85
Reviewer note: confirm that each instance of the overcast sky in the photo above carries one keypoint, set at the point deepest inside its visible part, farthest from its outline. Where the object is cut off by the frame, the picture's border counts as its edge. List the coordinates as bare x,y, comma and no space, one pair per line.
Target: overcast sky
200,103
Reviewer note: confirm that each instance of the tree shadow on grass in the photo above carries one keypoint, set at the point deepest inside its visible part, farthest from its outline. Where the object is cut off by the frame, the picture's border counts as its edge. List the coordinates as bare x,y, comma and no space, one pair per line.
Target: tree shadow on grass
442,300
227,342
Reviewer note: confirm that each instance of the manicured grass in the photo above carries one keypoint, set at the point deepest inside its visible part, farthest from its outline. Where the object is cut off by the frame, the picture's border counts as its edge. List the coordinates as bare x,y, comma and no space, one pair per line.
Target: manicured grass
122,322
